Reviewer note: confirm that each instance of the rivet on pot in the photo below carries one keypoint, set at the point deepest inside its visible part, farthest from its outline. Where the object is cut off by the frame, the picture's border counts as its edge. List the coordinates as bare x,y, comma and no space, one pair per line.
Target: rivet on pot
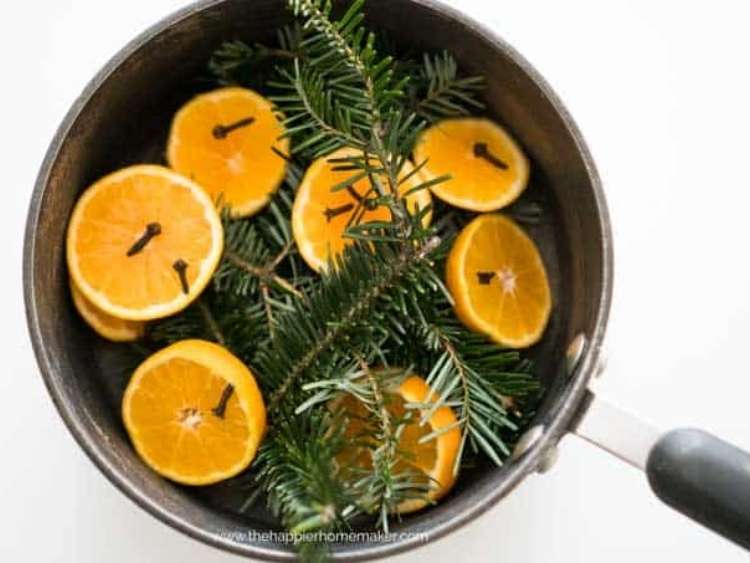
527,441
574,352
548,460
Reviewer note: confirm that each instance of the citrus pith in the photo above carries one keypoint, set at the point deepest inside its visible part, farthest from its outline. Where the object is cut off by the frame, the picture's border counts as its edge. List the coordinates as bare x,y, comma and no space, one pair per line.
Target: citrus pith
487,168
498,281
143,242
185,420
224,140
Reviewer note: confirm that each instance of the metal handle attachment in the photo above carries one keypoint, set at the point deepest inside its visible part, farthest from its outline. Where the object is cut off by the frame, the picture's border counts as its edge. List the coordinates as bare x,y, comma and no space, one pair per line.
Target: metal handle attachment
621,433
692,471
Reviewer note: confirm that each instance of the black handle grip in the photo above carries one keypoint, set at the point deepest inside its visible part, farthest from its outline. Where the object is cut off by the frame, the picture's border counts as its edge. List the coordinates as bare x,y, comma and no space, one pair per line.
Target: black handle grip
706,479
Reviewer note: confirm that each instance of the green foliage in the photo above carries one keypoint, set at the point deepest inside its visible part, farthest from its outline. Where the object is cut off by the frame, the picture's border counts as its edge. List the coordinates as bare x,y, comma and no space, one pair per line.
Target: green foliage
333,336
381,311
344,316
299,474
442,92
381,489
235,62
230,60
220,317
477,379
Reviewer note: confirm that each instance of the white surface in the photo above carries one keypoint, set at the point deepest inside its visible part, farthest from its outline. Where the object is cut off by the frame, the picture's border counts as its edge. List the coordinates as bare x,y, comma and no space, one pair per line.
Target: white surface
660,90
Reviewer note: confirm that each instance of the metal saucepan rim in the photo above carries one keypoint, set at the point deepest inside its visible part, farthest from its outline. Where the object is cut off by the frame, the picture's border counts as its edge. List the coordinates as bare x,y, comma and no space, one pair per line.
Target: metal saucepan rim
563,409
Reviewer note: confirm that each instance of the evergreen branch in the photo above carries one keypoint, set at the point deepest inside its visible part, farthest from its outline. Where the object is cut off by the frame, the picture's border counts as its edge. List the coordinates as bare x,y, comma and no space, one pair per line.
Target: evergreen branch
228,58
463,399
465,371
466,412
380,421
265,274
444,93
248,263
210,322
249,269
309,109
478,380
314,344
363,276
350,93
389,482
299,475
235,62
219,317
245,254
290,38
346,37
187,324
243,327
385,448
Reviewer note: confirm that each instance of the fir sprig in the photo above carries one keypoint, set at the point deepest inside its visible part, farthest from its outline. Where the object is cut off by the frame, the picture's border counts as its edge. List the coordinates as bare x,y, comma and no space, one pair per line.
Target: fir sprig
442,92
248,266
329,337
379,490
479,381
236,62
347,94
235,323
390,482
311,340
340,316
229,59
299,474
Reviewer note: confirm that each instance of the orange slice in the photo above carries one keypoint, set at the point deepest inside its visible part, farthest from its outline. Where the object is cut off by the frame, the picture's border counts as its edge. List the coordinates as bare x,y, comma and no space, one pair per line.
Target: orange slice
498,281
487,168
223,141
320,216
435,458
143,242
184,420
106,326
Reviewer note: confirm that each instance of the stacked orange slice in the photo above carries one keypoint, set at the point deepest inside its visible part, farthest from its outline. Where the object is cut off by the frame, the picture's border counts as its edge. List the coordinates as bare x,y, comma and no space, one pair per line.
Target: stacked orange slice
143,242
105,325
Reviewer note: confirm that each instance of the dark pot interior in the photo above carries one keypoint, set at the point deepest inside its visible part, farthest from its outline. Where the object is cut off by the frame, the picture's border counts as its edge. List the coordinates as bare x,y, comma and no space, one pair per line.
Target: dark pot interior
123,118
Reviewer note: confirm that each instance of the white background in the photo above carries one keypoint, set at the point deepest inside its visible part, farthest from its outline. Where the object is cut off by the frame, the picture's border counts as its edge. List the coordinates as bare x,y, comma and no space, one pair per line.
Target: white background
660,90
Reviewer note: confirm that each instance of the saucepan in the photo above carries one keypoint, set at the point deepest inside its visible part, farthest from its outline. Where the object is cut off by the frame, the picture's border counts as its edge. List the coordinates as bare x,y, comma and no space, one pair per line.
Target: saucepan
122,117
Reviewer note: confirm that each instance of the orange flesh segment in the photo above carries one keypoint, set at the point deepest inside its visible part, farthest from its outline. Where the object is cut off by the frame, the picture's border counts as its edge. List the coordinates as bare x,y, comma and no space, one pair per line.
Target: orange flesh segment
448,147
320,237
498,281
239,167
114,213
169,413
176,432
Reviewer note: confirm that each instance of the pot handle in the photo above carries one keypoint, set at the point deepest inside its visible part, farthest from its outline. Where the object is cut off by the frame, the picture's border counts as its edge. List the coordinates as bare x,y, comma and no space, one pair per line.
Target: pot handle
694,472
